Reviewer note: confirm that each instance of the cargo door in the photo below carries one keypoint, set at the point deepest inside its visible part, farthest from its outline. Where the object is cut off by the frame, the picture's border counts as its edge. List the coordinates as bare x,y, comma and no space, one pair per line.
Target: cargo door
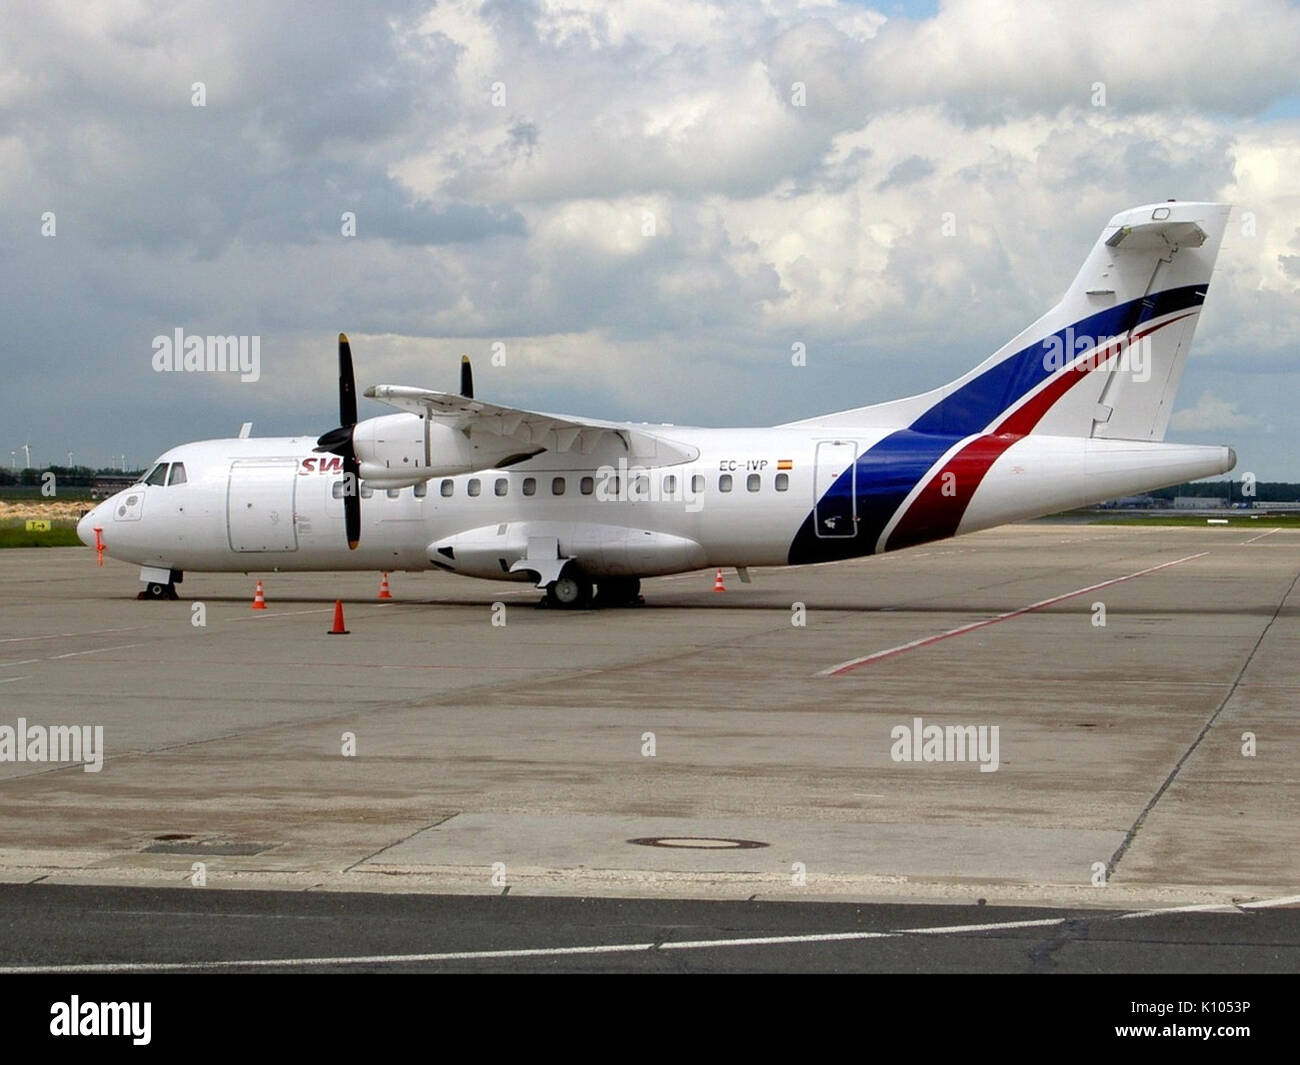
259,505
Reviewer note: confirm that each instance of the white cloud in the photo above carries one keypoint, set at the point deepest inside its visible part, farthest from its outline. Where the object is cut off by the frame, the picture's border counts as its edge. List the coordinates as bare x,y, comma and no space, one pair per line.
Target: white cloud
773,223
1210,413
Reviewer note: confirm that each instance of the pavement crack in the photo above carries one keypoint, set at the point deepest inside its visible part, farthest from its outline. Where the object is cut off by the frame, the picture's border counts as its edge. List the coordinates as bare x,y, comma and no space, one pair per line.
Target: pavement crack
1072,930
1129,836
414,832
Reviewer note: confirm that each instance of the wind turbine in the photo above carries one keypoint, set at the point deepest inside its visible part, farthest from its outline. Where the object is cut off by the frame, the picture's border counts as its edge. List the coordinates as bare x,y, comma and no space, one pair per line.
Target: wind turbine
27,454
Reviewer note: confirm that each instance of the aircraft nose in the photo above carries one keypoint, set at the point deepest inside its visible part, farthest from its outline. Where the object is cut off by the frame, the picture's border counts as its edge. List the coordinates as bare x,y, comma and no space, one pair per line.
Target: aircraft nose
86,527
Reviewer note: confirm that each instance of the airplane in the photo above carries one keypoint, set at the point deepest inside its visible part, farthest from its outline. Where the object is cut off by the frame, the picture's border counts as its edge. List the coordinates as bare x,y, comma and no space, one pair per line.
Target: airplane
1072,411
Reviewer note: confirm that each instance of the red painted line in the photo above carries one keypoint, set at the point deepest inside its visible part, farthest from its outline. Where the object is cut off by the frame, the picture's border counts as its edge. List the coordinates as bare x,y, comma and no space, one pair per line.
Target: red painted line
925,641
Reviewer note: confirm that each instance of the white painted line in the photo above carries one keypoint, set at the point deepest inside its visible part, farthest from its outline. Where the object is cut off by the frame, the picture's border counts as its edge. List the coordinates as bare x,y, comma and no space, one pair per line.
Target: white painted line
1265,904
62,635
10,680
768,941
1216,907
925,641
955,929
96,651
267,615
1261,536
365,959
1206,907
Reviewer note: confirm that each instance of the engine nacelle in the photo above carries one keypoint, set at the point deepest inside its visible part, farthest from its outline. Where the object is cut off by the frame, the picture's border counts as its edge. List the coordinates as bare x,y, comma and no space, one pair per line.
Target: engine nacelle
601,550
399,450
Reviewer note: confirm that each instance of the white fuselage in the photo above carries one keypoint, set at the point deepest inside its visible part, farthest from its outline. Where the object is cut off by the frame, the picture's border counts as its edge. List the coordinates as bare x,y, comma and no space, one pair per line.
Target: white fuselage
753,497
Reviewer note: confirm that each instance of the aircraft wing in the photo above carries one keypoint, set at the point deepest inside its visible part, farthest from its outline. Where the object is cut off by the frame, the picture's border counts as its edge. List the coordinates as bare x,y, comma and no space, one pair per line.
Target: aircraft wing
533,429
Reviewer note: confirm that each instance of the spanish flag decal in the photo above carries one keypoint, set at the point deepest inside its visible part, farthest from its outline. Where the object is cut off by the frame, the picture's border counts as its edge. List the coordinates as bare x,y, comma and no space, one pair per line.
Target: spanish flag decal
785,464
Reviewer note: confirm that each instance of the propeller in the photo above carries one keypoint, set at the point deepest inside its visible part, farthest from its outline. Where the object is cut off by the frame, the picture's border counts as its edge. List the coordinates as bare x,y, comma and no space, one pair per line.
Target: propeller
339,442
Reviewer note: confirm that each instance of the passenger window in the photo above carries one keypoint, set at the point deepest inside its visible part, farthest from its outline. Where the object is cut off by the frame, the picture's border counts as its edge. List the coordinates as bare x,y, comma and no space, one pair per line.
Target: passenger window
393,493
366,490
640,488
697,484
501,487
782,482
336,489
473,486
420,490
724,483
586,486
446,488
557,486
753,482
530,486
158,475
670,485
178,473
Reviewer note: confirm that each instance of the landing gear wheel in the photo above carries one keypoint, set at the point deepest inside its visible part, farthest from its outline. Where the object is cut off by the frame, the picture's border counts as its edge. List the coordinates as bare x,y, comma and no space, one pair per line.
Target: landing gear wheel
572,591
158,590
618,591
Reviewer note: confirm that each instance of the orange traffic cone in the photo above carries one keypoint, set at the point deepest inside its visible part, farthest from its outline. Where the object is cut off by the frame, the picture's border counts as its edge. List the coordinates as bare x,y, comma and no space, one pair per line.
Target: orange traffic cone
718,586
384,593
338,629
259,600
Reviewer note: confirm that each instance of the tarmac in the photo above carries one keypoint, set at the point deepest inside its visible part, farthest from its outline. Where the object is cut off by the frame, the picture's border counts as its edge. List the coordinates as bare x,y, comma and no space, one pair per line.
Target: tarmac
738,745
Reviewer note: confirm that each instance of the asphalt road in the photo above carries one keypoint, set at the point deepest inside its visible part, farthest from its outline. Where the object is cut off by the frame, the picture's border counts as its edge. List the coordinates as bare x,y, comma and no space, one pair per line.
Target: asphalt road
53,928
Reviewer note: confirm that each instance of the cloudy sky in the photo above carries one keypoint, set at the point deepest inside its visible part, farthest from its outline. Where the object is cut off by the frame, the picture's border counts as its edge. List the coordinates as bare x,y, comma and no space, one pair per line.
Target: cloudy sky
642,206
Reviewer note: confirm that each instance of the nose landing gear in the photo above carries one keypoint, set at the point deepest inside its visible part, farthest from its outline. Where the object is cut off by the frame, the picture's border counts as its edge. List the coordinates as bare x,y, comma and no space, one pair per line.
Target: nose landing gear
160,583
156,590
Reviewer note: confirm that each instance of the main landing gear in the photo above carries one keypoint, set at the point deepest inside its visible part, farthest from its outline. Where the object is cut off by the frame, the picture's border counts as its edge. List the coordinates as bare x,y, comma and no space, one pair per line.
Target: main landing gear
158,590
574,590
571,591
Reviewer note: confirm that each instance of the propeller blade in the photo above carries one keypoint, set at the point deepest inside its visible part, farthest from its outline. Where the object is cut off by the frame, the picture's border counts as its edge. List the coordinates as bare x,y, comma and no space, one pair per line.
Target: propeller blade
338,441
347,384
352,501
466,378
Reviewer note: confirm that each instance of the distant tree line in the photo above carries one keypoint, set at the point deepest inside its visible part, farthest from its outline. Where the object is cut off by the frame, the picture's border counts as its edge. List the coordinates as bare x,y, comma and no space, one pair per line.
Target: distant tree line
67,476
1265,491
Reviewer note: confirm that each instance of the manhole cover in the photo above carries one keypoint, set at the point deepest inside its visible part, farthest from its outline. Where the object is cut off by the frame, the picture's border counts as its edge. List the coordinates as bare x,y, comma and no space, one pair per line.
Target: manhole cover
706,843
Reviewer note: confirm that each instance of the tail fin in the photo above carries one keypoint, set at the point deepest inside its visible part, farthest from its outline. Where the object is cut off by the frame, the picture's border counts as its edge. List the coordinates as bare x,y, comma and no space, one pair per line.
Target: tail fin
1104,362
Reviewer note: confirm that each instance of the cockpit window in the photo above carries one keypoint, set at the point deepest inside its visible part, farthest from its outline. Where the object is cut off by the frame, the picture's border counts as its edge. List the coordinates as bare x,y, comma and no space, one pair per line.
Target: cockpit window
178,473
158,475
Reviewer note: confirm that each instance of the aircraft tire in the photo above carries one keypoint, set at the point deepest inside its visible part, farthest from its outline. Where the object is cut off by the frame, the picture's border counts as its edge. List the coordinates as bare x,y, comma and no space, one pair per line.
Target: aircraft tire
158,590
572,591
